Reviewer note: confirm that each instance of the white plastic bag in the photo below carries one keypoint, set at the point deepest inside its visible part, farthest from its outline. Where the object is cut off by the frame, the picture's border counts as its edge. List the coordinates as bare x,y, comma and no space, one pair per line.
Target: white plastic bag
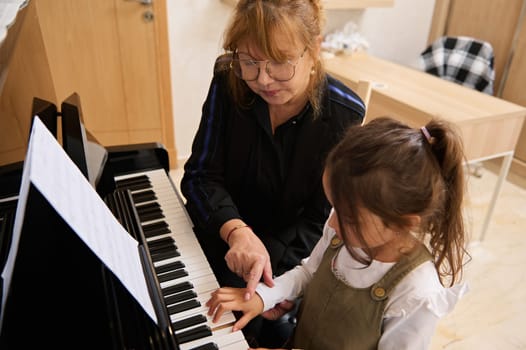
347,41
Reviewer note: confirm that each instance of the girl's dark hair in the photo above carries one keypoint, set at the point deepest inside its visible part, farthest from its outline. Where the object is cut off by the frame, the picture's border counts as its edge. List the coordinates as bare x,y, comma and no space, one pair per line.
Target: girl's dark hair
395,171
261,22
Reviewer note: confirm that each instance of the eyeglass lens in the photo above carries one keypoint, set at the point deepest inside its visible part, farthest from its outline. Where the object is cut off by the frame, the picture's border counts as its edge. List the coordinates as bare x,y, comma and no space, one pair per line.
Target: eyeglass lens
248,69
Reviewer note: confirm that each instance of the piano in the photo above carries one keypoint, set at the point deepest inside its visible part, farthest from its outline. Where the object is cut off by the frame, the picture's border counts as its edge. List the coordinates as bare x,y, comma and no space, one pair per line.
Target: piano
62,296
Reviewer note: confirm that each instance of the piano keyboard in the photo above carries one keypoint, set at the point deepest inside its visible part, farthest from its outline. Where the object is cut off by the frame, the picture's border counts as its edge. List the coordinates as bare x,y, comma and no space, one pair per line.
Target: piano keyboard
185,277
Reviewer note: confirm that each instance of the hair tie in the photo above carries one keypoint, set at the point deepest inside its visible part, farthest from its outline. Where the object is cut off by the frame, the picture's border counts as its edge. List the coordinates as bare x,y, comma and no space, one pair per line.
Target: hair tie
428,136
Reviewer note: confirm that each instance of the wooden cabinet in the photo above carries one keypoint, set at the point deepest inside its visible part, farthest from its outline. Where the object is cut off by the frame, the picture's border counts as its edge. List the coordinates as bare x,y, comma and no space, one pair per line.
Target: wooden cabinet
28,75
113,53
505,28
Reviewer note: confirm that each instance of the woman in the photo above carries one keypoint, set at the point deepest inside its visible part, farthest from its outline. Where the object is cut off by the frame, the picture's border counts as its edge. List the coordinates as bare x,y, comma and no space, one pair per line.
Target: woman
253,181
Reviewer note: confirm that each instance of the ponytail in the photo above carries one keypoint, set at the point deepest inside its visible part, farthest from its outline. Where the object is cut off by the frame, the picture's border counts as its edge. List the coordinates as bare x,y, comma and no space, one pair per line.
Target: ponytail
446,241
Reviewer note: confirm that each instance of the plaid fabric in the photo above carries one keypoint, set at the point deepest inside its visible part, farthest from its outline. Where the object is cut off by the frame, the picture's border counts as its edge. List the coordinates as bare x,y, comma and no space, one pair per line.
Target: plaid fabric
463,60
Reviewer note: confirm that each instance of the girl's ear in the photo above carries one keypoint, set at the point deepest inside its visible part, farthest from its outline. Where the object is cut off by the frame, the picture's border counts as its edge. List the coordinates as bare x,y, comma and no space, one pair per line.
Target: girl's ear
414,220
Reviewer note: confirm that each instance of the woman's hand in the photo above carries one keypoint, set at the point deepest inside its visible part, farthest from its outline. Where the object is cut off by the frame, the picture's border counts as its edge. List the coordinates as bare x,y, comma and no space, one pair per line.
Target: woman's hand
249,259
279,310
233,299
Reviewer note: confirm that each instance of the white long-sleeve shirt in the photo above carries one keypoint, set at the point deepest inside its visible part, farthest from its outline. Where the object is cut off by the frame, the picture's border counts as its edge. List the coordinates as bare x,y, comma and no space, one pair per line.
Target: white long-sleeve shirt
412,311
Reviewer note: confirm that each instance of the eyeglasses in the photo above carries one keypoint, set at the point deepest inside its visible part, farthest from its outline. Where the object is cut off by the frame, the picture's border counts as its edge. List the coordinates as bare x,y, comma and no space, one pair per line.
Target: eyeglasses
247,68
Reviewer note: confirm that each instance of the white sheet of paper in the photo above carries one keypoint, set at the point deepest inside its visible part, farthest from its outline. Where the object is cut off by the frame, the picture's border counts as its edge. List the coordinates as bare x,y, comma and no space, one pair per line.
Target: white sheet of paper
59,180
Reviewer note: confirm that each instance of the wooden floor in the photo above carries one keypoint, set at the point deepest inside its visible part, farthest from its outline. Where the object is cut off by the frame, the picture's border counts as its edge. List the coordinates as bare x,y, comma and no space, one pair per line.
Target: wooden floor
492,315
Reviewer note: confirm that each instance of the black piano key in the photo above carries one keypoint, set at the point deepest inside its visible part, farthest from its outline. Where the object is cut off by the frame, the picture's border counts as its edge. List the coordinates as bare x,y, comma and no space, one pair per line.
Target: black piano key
165,255
189,322
151,216
176,265
177,298
148,207
161,243
163,250
172,275
132,180
207,346
176,288
134,184
144,196
193,334
138,186
156,232
186,305
151,207
155,229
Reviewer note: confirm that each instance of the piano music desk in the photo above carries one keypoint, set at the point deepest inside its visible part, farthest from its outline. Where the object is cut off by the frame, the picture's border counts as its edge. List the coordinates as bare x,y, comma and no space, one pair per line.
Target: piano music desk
489,126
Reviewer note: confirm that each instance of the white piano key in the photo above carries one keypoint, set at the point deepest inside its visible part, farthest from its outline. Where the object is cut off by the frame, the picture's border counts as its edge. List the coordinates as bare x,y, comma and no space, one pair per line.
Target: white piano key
224,339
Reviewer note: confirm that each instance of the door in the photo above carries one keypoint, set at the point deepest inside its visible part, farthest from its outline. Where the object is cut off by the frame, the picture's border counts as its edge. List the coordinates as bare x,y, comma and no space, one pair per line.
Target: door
114,54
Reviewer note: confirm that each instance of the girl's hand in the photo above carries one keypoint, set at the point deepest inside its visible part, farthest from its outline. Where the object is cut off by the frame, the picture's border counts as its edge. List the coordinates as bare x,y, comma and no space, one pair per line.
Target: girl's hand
233,299
249,259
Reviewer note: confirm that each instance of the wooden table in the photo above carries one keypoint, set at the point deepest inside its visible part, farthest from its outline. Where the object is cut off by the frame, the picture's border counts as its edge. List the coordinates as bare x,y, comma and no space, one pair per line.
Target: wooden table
489,126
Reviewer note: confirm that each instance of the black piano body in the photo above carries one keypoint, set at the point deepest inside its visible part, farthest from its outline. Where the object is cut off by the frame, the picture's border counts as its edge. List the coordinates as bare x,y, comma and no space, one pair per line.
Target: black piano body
60,294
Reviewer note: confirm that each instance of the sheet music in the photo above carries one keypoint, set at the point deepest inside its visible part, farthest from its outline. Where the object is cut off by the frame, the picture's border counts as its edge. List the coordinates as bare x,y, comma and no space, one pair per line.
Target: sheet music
57,178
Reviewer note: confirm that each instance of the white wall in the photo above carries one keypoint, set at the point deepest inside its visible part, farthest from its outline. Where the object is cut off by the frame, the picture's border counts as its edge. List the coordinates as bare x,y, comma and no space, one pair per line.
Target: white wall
195,33
397,33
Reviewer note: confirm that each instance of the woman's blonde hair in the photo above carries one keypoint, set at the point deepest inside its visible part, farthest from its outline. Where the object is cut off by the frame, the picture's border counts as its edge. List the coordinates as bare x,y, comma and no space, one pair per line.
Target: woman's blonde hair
260,22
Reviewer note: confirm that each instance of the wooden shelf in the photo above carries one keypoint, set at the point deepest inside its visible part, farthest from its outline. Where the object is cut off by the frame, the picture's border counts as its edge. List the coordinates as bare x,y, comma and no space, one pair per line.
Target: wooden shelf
343,4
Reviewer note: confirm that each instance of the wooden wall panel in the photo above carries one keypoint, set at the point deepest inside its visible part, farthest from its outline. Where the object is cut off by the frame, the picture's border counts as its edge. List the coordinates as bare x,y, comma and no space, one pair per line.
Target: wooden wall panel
515,88
439,20
28,76
487,20
503,24
84,55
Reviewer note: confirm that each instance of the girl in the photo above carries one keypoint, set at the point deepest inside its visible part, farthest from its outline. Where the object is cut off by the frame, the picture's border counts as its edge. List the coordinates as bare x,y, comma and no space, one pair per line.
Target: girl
387,266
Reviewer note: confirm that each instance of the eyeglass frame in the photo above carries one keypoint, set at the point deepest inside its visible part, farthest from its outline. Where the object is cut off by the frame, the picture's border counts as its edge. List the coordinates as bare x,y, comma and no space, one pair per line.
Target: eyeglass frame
258,62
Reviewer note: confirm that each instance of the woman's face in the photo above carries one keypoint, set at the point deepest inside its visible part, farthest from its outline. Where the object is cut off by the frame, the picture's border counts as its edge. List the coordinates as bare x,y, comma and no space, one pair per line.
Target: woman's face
276,92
